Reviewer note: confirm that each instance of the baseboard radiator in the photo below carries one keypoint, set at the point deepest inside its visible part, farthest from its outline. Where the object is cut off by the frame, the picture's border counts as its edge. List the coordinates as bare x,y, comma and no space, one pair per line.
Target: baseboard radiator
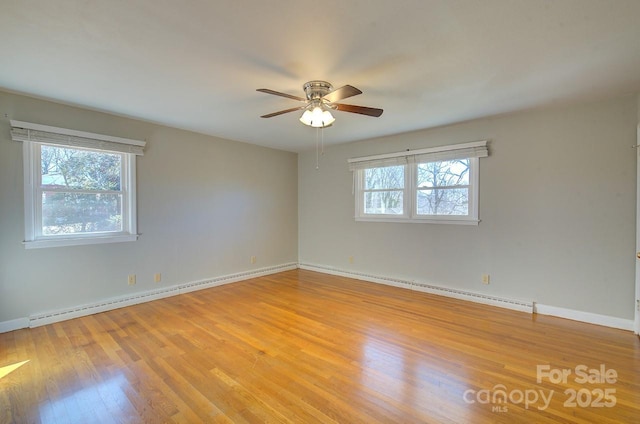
44,318
518,305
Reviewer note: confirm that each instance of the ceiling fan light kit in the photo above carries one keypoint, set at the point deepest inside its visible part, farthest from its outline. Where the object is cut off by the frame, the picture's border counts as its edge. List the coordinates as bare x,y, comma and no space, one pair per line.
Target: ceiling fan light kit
320,99
317,118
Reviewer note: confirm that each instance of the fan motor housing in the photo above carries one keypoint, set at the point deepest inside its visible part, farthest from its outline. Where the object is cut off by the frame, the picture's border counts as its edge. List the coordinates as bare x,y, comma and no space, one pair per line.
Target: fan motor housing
316,89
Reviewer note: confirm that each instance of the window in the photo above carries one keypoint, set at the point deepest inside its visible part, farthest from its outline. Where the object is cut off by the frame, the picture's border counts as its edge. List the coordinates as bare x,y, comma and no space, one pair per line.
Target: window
437,185
442,188
79,187
383,190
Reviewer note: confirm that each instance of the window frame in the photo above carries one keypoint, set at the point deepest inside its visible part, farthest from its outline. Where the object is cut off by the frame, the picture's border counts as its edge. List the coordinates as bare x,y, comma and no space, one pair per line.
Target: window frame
405,201
473,187
127,149
410,160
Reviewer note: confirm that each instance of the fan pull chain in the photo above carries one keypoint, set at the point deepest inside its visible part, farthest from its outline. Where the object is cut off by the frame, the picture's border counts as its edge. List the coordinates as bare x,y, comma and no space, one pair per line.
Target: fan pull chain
317,150
319,147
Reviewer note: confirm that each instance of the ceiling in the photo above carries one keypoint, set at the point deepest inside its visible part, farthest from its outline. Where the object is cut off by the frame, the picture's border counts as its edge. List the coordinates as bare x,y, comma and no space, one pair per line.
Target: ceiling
196,65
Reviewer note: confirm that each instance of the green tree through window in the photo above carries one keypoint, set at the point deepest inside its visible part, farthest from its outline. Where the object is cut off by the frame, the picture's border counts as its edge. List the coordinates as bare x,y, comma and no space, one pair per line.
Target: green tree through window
81,191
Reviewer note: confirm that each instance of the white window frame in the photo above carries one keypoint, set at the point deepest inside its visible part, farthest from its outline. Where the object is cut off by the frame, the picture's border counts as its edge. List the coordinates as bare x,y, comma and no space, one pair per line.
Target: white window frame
33,136
410,160
378,217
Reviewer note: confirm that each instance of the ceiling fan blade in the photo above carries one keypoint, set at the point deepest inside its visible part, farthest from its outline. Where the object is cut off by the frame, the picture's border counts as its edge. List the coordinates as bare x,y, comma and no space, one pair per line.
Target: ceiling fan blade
362,110
277,93
341,93
293,109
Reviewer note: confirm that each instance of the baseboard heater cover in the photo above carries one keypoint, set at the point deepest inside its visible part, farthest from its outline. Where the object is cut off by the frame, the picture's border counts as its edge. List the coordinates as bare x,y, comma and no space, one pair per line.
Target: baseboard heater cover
44,318
518,305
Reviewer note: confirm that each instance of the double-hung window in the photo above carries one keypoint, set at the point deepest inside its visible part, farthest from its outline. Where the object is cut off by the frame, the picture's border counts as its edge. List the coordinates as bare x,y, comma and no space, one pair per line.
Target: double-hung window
79,187
438,185
383,190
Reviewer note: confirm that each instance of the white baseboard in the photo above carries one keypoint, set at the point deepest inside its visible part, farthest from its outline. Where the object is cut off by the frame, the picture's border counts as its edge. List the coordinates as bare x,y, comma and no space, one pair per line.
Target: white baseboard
50,317
14,324
518,305
44,318
514,304
588,317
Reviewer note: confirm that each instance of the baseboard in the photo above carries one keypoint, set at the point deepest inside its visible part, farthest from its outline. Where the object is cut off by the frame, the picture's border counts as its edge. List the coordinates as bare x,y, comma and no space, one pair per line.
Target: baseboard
50,317
14,324
588,317
513,304
518,305
36,320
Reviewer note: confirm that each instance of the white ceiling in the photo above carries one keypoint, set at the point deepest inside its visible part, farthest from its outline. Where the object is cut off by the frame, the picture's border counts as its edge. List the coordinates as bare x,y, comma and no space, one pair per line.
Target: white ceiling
196,64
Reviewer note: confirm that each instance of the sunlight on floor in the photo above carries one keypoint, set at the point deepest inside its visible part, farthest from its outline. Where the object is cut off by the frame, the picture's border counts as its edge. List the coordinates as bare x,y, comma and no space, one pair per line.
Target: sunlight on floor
104,401
7,369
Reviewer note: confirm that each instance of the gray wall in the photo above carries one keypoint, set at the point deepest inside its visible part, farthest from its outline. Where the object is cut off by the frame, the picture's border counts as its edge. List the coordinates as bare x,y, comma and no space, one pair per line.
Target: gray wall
205,206
557,204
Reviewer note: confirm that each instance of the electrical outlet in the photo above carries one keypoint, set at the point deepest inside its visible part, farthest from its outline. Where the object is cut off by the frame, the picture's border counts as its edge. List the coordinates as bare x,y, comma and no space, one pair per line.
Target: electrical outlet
486,278
132,279
157,277
253,259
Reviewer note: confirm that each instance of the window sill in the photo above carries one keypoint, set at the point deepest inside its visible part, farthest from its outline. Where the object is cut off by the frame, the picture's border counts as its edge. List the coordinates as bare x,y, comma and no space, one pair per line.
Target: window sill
465,221
78,241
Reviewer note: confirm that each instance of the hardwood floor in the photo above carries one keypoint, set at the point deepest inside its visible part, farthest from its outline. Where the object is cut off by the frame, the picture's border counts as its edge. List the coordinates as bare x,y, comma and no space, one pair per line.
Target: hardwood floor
304,347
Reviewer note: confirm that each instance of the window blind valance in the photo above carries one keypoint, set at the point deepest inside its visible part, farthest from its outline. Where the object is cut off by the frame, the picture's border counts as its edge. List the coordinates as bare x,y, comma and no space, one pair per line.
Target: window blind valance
27,131
476,149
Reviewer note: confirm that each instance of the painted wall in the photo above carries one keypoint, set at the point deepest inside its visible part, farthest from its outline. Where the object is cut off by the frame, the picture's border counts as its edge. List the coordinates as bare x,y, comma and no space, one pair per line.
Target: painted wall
205,206
557,204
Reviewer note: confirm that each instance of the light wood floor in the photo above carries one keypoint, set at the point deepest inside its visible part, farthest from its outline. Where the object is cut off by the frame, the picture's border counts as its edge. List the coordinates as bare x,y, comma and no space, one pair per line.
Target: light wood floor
303,347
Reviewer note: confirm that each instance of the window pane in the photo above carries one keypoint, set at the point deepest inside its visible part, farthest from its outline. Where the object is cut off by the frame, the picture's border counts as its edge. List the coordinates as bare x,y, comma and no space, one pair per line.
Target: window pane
70,168
383,202
443,202
443,174
381,178
73,213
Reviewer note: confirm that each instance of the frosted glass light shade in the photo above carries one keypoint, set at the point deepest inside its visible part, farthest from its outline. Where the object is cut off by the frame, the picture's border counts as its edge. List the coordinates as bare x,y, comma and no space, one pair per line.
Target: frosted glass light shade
317,118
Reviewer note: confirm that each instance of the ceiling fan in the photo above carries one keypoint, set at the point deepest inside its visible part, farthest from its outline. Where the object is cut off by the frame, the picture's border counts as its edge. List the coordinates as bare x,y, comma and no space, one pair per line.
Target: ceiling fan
320,99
